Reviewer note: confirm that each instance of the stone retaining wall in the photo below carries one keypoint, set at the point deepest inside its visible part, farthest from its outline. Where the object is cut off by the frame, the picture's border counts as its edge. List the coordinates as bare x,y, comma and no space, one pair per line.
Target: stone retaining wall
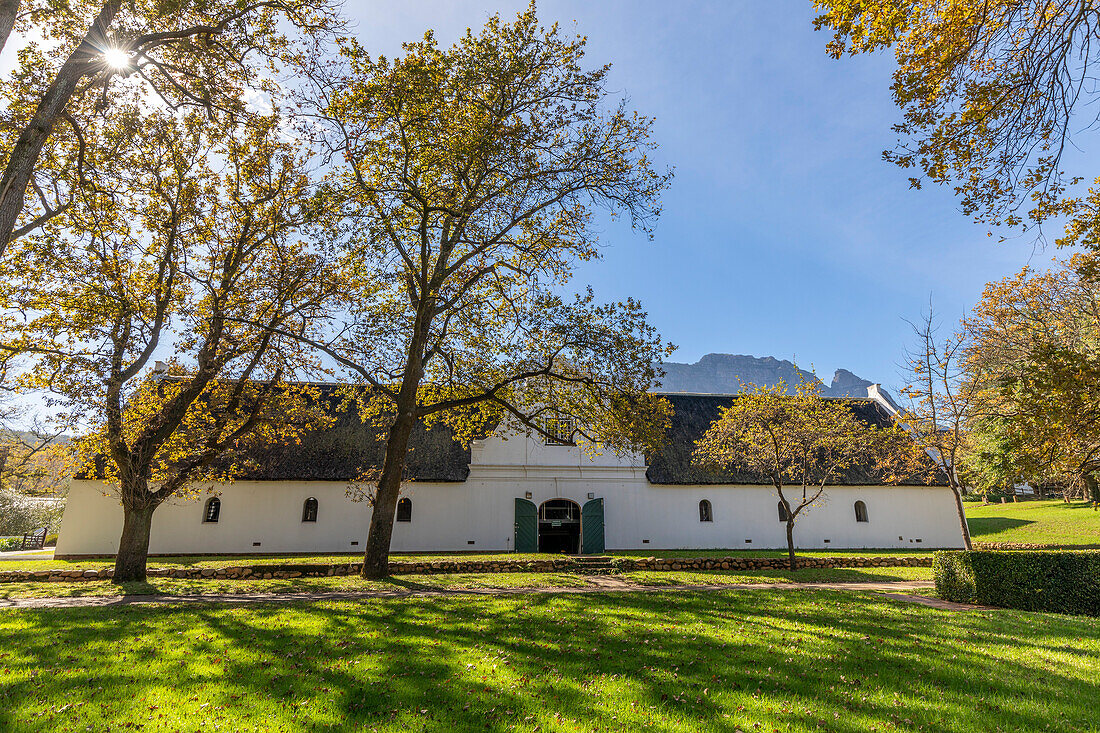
565,564
768,563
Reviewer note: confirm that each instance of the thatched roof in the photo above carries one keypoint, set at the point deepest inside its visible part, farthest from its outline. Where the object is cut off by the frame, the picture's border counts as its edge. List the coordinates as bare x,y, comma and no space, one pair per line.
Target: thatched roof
348,448
693,414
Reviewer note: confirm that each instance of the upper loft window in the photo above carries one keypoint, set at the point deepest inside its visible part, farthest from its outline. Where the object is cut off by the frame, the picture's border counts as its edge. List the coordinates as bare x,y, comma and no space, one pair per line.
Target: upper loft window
309,510
559,431
861,512
212,511
405,510
705,514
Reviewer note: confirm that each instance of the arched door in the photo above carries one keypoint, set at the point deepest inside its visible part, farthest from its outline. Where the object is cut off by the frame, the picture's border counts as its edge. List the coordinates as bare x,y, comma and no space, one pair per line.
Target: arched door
560,526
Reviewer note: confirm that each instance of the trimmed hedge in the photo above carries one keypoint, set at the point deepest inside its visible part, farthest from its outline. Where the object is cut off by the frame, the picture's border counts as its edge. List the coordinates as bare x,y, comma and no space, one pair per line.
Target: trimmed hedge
1058,582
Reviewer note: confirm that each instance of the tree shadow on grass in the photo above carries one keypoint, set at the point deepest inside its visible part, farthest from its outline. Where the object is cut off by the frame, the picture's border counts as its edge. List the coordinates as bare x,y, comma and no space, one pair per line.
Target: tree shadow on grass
992,525
608,661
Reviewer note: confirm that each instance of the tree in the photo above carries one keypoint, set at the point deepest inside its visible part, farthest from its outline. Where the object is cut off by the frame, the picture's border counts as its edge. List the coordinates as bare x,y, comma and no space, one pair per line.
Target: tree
1033,357
186,240
470,177
802,443
988,92
36,464
196,53
941,404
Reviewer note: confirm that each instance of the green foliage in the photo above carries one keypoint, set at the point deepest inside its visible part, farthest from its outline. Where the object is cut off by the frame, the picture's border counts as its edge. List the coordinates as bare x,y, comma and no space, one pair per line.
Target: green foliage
1057,582
1032,362
19,513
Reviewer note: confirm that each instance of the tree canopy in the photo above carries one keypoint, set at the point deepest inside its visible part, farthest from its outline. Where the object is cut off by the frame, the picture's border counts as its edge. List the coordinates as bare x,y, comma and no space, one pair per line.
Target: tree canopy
1034,356
82,60
470,177
191,239
992,94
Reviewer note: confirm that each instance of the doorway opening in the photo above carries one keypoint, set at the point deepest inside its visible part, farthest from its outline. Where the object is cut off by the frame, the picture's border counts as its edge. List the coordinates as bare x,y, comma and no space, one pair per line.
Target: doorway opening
560,527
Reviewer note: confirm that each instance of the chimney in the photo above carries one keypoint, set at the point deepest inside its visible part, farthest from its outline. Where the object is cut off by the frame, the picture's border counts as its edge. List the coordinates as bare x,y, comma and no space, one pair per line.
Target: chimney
160,367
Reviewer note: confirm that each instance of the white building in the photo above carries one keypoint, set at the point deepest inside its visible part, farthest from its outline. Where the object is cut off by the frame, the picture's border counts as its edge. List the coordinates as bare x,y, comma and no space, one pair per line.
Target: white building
518,493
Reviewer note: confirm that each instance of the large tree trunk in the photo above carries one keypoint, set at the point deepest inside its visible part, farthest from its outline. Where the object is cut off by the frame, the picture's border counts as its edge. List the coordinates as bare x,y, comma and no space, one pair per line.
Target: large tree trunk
1093,488
8,10
790,542
25,153
133,547
960,510
376,558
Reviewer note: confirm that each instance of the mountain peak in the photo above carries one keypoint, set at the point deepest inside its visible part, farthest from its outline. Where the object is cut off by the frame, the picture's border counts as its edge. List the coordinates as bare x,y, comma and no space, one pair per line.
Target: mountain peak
724,374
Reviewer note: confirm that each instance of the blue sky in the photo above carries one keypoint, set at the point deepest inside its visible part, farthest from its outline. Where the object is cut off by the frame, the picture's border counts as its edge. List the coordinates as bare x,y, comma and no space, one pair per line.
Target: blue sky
784,233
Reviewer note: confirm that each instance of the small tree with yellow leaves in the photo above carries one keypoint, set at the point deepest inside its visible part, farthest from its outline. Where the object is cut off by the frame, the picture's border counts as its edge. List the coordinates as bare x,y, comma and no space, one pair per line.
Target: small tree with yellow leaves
803,442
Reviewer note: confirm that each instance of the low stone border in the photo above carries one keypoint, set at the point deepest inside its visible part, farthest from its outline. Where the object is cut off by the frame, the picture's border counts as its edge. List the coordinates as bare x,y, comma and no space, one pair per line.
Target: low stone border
768,563
1012,546
557,565
1030,546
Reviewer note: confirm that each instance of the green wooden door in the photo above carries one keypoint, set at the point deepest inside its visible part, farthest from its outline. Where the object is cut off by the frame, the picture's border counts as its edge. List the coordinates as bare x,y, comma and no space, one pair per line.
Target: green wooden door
592,527
527,526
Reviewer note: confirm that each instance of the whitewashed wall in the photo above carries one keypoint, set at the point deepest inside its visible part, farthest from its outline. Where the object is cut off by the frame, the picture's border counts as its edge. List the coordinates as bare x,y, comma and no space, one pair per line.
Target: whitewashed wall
477,515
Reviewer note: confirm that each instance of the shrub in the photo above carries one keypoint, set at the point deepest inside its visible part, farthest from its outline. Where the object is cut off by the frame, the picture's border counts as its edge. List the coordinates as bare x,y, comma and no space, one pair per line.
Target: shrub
51,540
1059,582
10,543
19,513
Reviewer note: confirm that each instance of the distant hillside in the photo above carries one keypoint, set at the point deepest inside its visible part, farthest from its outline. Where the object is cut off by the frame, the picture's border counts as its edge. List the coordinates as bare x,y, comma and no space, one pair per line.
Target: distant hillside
723,373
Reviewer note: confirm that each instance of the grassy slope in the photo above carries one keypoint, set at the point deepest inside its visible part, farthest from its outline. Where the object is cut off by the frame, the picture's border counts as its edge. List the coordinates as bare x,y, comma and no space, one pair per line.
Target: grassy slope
757,660
1041,522
455,580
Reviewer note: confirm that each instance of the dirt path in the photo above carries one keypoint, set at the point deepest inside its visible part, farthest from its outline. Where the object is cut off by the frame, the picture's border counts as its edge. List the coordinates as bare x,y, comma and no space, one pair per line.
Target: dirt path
902,591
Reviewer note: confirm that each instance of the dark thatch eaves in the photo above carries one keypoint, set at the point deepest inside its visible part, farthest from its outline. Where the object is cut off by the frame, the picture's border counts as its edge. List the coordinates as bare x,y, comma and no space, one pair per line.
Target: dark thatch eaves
694,414
350,449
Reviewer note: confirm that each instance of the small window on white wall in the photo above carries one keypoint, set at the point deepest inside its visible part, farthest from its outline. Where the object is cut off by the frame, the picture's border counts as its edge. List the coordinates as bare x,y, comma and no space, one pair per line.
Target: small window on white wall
405,510
705,514
212,511
782,512
309,510
559,431
861,512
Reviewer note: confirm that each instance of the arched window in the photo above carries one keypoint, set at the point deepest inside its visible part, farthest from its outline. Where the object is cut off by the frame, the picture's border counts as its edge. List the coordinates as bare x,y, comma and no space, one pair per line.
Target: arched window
861,512
309,510
212,511
405,510
782,512
704,511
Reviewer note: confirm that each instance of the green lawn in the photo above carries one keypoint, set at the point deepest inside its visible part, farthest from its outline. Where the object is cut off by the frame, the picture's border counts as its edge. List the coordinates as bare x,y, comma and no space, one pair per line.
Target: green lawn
750,660
172,586
1039,522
